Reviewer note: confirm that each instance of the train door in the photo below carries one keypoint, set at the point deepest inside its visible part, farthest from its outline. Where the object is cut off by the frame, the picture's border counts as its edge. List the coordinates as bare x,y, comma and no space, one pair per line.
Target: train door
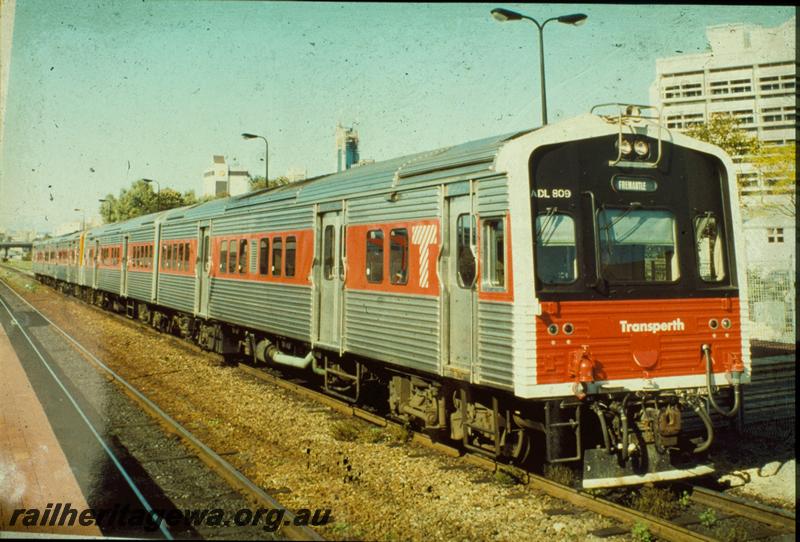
203,269
329,279
461,278
123,288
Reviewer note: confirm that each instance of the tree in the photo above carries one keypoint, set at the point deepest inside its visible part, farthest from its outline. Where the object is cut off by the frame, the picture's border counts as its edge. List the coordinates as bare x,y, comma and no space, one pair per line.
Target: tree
258,182
776,166
140,199
725,131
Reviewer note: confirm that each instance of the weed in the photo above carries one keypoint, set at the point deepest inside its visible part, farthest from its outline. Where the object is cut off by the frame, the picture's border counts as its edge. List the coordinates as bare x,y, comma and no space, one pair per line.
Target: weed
657,501
708,517
684,500
731,534
640,533
560,474
398,433
507,478
346,430
375,435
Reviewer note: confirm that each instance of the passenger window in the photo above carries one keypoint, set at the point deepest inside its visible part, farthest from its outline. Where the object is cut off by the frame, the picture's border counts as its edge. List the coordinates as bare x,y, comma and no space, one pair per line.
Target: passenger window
263,256
710,262
398,256
327,252
243,256
179,258
277,256
223,256
494,253
186,256
232,256
556,253
375,256
291,249
465,233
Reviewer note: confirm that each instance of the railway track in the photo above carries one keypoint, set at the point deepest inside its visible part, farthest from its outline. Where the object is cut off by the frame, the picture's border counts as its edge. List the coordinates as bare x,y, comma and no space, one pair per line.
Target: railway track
773,523
235,479
777,522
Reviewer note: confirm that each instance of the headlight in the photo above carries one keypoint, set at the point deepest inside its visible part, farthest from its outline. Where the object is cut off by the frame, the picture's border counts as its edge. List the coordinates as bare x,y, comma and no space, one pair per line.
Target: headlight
625,147
641,148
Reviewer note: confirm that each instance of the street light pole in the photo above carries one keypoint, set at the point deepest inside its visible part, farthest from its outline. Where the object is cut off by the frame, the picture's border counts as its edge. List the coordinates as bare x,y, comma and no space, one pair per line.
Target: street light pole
83,218
266,154
158,195
574,19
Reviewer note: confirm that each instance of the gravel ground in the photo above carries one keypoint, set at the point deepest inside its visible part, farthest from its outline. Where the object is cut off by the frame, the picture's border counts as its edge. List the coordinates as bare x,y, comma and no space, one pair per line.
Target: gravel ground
761,467
376,488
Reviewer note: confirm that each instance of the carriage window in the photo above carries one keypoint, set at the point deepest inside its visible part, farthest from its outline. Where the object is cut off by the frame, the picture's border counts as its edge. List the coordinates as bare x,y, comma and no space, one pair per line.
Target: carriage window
179,257
263,256
223,256
494,253
556,255
465,232
291,250
638,245
327,252
232,256
398,256
242,255
375,256
710,263
186,255
277,256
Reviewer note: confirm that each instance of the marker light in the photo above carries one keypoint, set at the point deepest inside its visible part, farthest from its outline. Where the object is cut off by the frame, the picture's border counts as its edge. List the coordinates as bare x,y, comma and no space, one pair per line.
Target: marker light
713,324
552,329
641,148
568,328
726,323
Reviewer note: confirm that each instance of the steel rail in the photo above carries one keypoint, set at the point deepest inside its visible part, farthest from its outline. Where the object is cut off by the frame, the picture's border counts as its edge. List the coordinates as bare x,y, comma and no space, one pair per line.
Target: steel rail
768,515
216,463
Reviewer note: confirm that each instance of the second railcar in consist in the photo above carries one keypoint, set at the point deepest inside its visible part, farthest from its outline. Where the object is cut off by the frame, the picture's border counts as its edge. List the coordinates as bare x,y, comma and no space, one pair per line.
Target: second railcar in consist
569,291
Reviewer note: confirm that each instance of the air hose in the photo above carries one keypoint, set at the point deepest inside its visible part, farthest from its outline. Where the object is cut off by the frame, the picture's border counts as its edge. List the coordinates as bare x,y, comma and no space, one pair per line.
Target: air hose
736,391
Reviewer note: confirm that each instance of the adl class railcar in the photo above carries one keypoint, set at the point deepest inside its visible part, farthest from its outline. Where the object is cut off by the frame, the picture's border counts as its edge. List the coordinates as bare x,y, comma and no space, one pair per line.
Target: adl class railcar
570,290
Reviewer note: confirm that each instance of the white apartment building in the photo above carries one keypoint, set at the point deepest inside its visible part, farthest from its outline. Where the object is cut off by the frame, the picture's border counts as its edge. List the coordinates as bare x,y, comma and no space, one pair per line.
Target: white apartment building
750,72
220,179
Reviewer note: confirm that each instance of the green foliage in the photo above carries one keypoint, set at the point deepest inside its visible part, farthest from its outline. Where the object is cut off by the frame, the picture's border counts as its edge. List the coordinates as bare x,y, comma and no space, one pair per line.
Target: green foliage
259,183
140,199
640,533
724,130
708,517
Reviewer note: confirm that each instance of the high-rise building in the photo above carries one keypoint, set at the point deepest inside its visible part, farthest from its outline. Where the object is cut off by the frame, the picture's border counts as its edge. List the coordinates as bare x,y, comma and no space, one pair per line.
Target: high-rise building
750,72
346,147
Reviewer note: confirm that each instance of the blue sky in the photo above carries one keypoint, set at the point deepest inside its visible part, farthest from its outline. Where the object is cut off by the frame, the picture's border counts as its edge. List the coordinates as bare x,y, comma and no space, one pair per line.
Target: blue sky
102,93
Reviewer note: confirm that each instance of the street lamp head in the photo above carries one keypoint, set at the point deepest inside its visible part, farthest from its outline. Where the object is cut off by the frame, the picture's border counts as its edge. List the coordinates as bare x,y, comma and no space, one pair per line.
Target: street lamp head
576,19
102,200
504,15
249,136
148,180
